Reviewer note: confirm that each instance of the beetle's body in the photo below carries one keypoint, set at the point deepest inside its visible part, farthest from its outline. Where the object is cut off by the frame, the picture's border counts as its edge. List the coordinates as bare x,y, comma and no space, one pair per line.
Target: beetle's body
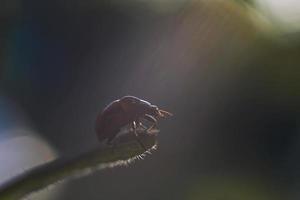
111,120
128,110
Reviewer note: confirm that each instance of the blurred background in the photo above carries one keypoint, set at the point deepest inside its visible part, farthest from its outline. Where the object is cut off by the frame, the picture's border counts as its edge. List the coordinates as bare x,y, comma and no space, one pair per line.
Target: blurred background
228,70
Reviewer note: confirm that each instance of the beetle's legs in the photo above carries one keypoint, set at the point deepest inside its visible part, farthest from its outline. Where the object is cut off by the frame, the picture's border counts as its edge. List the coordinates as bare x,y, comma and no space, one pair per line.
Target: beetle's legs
151,119
140,124
143,126
136,136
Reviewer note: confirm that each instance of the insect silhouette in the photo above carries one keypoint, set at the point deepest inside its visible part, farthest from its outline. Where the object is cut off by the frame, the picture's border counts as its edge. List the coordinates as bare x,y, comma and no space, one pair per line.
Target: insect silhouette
128,110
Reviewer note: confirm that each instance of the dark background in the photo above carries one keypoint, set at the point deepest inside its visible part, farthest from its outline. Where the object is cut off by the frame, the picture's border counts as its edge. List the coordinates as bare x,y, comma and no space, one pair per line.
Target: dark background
233,88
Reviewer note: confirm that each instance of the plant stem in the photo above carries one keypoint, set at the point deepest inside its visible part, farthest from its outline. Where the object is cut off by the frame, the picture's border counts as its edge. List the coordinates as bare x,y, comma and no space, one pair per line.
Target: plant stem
64,168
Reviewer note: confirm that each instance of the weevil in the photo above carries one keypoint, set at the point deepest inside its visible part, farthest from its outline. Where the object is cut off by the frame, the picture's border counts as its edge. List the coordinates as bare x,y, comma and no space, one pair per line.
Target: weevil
128,110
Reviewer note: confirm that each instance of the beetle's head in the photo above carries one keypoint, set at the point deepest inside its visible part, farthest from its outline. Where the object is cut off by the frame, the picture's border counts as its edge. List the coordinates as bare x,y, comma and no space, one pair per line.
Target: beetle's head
156,112
153,110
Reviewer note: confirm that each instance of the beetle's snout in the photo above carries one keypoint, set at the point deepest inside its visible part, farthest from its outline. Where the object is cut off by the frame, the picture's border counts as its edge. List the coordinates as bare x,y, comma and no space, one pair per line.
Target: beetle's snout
164,113
155,111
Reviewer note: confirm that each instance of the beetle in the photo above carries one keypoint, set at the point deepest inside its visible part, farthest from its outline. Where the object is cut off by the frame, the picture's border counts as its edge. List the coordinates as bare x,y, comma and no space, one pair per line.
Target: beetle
128,110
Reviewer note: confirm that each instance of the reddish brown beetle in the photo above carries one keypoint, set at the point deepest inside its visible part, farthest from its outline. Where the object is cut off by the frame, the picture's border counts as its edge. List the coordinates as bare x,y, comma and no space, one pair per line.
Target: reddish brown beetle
128,110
